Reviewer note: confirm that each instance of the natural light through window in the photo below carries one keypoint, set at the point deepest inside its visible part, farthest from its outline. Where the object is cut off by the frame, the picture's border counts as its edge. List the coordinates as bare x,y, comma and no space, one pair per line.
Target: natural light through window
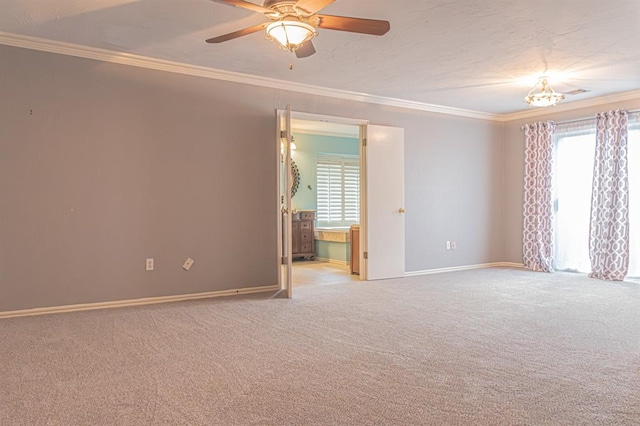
573,176
338,188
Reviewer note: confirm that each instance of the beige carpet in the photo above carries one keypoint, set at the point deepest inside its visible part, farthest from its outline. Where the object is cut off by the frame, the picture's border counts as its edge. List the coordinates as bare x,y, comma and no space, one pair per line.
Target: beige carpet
498,347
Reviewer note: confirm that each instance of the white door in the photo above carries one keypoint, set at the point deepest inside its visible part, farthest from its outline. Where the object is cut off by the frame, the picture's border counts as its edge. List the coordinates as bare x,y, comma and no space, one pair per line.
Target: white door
284,200
384,213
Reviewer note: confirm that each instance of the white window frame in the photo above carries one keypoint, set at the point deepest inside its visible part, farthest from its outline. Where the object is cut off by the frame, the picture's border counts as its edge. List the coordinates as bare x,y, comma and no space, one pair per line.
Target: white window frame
338,190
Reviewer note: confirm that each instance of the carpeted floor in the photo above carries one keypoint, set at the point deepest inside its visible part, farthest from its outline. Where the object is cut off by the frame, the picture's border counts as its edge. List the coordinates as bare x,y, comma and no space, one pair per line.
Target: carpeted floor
494,346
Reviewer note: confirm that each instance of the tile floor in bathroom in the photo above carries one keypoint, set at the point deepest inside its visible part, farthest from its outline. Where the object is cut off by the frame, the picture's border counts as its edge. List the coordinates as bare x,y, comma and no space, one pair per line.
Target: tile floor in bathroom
315,272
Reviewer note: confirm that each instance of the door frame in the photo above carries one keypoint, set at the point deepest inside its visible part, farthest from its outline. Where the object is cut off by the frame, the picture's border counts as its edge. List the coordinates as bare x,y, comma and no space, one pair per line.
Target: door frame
283,150
362,125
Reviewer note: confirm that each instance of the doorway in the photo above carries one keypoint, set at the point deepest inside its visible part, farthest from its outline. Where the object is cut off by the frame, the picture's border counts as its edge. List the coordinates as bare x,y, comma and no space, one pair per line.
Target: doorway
325,162
381,198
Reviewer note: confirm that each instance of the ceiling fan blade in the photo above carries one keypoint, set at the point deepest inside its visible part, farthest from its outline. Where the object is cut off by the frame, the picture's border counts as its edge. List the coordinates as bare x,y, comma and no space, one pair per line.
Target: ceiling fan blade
245,5
312,6
354,25
236,34
305,50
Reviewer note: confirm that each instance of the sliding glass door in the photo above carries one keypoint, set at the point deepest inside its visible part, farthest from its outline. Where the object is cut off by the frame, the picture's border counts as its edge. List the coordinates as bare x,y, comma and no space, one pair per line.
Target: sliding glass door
573,179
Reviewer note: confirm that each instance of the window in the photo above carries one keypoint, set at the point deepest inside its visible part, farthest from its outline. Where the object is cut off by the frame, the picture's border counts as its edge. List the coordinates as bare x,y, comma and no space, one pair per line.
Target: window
574,158
338,188
573,175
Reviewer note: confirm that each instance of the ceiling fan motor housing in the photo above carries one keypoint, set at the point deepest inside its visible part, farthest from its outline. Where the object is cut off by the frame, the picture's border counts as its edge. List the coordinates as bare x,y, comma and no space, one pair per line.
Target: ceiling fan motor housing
294,23
286,8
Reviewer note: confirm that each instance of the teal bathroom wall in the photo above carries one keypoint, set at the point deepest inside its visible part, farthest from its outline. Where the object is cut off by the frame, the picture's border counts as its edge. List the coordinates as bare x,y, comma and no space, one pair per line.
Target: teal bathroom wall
333,250
308,148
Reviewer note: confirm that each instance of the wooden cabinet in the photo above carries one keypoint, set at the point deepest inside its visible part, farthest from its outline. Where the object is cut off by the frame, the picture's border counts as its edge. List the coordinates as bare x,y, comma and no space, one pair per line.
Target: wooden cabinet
303,242
354,237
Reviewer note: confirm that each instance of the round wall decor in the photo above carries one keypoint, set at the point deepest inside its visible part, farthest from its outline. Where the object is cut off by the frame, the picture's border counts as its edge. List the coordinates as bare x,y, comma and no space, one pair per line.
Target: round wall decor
295,181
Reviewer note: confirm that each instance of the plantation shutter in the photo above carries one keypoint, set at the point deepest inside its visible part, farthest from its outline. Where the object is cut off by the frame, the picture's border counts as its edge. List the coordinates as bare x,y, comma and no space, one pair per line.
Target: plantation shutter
338,191
351,173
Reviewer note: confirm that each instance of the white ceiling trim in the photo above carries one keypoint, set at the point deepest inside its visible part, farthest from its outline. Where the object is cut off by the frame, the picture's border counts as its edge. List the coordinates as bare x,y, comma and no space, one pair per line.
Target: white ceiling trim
537,112
104,55
62,48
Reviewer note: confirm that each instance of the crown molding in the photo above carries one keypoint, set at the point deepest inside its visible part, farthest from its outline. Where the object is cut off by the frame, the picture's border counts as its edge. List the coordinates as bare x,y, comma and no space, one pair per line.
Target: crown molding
569,106
111,56
104,55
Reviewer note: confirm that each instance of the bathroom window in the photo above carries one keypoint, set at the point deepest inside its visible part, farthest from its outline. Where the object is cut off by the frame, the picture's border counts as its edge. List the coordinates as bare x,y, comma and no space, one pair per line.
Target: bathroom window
338,185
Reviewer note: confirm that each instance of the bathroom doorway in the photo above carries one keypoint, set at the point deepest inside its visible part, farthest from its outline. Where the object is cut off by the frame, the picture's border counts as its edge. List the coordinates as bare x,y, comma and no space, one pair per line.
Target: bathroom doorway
380,251
325,202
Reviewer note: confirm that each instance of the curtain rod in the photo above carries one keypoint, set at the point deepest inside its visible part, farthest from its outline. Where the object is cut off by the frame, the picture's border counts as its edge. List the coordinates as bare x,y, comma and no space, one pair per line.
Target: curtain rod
578,120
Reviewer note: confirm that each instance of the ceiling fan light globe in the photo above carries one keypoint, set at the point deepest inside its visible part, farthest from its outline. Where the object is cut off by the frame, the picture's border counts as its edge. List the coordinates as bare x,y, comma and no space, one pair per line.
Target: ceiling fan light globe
290,34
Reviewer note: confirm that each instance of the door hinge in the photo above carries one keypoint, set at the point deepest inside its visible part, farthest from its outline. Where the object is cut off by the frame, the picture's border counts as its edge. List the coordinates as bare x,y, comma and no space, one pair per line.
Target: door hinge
364,141
365,255
284,260
283,134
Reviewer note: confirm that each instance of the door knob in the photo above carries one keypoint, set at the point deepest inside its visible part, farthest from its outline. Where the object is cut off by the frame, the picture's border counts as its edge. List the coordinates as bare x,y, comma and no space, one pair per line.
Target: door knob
401,210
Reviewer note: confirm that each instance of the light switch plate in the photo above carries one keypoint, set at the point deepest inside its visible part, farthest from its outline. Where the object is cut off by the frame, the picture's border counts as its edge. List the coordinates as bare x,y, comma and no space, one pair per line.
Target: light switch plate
149,264
187,264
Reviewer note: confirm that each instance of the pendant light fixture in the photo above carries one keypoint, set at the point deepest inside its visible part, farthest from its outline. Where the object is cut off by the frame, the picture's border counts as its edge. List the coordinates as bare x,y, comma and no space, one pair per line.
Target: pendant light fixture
544,96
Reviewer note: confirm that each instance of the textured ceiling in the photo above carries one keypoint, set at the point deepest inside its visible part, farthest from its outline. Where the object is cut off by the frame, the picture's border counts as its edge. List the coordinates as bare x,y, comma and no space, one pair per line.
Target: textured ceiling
481,55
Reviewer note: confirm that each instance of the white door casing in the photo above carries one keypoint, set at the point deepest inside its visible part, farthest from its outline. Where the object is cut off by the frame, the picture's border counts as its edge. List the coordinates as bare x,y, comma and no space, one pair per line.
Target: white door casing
283,141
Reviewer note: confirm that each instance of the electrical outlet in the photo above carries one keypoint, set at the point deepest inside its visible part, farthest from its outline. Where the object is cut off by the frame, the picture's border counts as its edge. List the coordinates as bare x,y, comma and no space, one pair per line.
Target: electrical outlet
453,245
187,264
448,245
149,264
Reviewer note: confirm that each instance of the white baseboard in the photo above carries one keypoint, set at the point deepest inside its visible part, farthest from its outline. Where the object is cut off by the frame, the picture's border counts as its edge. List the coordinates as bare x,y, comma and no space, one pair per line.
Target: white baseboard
135,302
464,268
334,261
212,294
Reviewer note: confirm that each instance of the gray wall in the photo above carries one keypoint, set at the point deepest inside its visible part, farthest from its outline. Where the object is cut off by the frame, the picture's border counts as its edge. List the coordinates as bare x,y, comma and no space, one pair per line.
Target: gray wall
514,170
104,165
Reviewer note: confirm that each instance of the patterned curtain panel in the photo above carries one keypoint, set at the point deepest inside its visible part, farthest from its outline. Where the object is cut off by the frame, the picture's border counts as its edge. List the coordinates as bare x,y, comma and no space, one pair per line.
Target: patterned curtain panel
609,226
538,202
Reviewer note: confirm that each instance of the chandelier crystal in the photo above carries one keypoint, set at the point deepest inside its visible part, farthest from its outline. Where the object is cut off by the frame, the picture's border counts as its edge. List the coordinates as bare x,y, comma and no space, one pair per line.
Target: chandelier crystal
545,96
290,34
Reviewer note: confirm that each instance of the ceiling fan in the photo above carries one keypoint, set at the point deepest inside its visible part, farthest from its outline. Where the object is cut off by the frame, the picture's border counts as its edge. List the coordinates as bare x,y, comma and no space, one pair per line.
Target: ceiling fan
294,23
